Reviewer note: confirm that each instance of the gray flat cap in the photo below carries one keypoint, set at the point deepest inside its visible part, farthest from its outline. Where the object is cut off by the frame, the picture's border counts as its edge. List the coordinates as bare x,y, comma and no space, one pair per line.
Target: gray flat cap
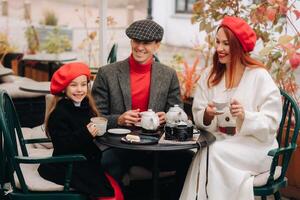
145,30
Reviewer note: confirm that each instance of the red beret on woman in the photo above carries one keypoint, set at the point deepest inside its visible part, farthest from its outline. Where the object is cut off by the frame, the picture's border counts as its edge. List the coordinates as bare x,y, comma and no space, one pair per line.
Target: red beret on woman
65,74
242,31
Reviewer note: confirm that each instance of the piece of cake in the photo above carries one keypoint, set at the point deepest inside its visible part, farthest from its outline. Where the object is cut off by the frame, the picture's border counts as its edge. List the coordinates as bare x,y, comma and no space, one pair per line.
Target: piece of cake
133,138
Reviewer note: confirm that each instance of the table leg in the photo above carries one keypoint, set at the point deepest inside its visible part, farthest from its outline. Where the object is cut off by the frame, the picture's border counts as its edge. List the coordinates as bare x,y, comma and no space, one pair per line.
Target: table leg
155,174
50,70
21,68
53,66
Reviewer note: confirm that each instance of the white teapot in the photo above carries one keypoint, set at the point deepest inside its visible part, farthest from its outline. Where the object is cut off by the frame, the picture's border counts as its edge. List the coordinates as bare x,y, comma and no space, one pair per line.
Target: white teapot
150,120
175,115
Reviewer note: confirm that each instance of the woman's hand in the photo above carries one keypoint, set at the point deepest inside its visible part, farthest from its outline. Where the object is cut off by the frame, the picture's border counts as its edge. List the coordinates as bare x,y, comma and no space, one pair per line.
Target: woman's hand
210,110
92,129
209,114
129,118
237,110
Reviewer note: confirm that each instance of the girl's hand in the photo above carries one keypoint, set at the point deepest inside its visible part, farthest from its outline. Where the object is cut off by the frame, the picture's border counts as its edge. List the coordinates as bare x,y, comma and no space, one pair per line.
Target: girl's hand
92,129
237,110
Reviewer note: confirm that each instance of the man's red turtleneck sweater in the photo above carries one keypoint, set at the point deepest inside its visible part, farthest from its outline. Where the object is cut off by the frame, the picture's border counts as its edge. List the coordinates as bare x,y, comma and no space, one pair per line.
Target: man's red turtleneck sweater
140,78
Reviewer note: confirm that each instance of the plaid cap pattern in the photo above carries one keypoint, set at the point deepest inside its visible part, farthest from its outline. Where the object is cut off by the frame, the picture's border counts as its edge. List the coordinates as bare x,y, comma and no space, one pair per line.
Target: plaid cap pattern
145,30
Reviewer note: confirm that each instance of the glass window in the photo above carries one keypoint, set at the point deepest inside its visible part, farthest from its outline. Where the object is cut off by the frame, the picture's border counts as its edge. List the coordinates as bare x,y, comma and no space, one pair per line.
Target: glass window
184,6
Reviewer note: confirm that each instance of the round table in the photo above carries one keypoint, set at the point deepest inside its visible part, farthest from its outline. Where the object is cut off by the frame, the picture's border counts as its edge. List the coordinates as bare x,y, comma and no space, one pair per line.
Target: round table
34,86
5,71
52,60
111,140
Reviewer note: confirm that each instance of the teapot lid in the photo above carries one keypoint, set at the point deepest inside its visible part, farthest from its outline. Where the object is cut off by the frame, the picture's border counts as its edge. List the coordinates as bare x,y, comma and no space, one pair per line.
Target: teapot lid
148,112
175,108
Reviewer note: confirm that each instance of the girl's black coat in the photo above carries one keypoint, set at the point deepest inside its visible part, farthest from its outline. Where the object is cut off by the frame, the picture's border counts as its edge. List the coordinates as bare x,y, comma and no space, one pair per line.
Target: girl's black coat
67,128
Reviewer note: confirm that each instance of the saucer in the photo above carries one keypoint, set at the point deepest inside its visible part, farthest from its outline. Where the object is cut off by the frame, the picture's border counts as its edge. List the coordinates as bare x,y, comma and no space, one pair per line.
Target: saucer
119,131
220,112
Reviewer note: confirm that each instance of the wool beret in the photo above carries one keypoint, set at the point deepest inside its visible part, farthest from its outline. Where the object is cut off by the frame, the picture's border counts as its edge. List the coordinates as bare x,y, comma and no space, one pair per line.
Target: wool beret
145,30
242,31
65,74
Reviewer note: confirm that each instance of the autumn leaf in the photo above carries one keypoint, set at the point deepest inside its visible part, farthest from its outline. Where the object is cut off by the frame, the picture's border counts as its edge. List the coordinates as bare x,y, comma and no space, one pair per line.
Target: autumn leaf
283,9
271,13
295,60
265,51
198,6
297,13
284,39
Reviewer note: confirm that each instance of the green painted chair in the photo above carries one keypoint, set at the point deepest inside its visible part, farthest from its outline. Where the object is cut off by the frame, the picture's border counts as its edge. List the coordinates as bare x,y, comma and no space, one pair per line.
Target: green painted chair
287,136
112,56
156,59
15,157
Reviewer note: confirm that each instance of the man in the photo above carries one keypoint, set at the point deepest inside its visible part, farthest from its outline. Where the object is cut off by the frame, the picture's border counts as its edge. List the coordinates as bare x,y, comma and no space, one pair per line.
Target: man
124,89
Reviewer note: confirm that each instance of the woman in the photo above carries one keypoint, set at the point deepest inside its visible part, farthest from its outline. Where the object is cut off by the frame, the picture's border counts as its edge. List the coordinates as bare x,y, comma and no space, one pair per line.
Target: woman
245,130
68,124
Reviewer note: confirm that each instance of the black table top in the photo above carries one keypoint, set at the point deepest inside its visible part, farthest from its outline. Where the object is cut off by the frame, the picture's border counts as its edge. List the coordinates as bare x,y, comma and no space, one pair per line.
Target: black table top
111,140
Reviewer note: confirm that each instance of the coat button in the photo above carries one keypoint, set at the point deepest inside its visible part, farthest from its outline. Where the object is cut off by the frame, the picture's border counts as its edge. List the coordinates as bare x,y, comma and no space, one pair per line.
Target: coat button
227,119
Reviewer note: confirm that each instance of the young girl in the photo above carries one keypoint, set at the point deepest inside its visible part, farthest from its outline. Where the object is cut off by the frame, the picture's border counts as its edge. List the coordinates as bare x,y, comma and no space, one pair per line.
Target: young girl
68,124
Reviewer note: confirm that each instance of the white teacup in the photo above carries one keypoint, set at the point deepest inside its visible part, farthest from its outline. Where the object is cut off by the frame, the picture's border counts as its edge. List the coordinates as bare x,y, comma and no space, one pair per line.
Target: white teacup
220,104
100,123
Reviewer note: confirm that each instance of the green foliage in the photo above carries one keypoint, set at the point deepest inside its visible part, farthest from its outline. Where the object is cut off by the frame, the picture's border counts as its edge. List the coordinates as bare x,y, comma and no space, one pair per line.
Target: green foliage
5,46
56,42
32,40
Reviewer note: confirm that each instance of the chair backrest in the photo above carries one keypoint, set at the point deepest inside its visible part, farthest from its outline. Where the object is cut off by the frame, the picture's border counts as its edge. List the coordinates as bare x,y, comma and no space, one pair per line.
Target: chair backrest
156,59
13,137
112,56
287,133
3,166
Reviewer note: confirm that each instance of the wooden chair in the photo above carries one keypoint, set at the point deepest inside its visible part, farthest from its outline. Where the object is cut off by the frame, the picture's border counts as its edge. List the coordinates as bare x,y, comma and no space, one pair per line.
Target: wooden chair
22,168
287,136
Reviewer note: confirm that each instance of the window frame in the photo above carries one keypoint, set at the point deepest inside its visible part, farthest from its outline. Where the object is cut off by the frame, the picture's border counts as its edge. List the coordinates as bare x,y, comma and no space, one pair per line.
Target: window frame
185,11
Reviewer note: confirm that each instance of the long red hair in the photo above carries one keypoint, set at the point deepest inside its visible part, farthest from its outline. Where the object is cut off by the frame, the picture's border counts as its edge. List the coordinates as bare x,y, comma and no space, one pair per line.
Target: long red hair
237,54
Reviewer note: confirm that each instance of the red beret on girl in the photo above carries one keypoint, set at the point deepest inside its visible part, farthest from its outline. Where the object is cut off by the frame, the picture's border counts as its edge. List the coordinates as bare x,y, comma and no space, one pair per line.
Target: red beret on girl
242,31
65,74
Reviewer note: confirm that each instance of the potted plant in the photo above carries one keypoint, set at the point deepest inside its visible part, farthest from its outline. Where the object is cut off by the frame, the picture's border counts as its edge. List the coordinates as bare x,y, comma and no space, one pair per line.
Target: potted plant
33,42
5,46
49,28
56,42
188,77
8,55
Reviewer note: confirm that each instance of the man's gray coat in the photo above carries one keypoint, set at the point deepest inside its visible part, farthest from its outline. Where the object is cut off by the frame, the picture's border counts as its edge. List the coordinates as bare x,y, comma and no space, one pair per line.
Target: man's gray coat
111,90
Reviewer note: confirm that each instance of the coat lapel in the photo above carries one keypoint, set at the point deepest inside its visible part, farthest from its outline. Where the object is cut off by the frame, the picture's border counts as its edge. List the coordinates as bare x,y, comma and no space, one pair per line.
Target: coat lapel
155,88
124,82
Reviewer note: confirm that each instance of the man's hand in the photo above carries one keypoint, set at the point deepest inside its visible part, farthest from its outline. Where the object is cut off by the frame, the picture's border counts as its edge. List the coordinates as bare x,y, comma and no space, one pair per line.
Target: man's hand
162,117
129,118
